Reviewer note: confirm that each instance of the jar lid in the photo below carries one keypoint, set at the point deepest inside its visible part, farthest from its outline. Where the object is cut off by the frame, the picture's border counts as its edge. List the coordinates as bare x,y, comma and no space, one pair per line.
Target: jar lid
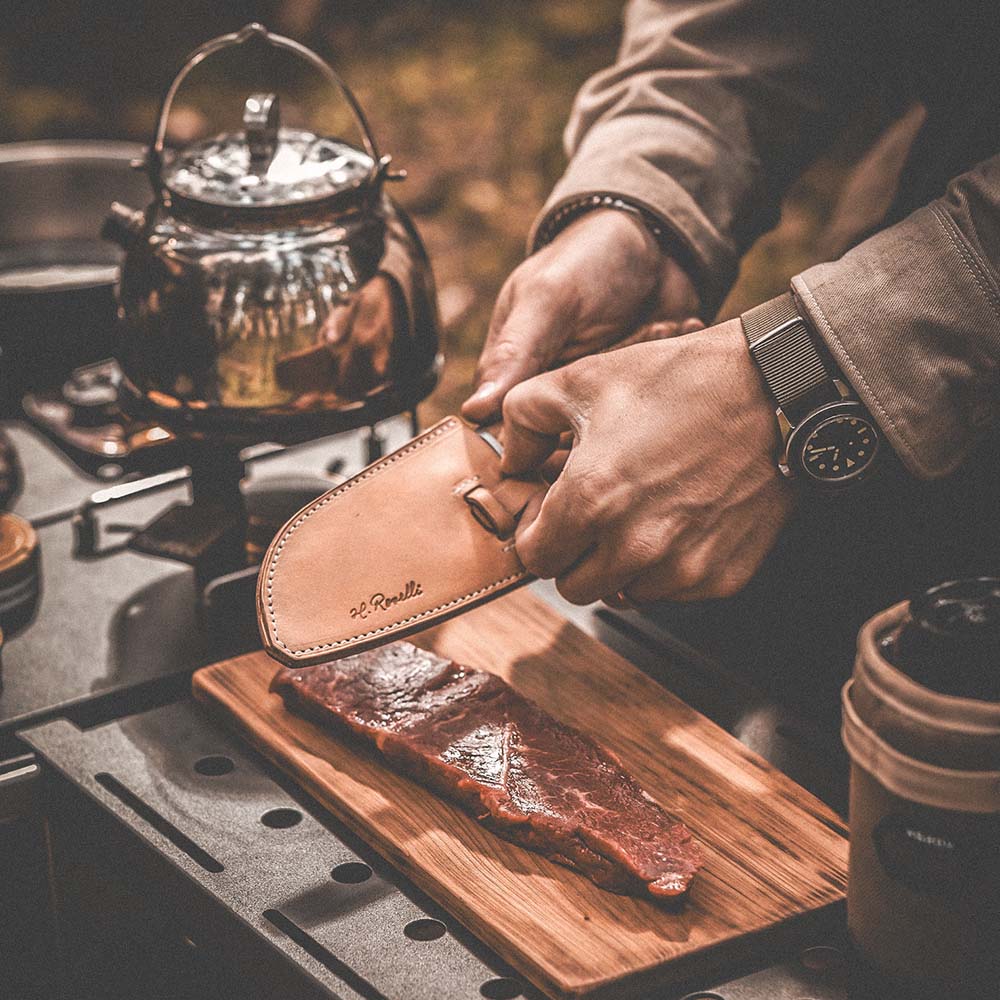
961,608
905,696
951,640
18,545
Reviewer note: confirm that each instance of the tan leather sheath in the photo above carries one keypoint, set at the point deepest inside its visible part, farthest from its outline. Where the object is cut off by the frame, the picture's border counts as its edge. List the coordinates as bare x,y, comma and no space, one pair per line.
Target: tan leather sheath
417,537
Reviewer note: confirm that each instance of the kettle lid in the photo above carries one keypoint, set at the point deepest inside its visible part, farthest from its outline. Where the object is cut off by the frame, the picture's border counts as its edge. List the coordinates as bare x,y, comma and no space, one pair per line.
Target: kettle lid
265,165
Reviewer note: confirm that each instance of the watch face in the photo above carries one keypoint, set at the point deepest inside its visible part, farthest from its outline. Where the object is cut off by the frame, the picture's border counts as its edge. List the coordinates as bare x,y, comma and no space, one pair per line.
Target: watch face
839,448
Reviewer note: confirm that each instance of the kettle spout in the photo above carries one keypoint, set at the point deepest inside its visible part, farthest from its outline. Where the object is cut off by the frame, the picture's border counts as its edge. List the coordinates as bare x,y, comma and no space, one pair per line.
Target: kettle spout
122,225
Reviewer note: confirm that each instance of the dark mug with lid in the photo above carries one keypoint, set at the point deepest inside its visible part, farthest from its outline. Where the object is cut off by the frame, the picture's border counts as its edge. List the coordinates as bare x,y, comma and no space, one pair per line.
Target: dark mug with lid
921,722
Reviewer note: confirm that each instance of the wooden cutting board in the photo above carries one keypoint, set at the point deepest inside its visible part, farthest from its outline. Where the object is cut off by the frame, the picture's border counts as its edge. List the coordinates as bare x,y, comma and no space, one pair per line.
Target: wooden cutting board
773,853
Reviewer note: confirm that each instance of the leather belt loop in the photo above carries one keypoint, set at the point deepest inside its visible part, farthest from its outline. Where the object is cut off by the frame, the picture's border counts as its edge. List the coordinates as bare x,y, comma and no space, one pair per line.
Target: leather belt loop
515,494
490,513
498,509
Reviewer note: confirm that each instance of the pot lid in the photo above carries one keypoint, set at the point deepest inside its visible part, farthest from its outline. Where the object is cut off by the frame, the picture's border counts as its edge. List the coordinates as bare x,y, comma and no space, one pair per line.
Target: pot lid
265,165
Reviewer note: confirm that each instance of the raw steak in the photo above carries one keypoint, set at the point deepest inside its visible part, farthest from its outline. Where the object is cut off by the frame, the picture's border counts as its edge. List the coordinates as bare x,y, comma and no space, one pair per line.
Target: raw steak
472,738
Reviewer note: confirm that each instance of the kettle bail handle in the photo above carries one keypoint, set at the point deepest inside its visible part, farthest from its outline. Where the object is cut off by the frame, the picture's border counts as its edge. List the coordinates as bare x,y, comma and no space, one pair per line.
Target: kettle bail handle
154,158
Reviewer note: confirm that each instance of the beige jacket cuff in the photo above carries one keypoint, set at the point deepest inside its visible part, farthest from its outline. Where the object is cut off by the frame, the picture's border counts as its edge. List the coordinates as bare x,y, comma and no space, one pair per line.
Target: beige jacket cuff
912,317
610,161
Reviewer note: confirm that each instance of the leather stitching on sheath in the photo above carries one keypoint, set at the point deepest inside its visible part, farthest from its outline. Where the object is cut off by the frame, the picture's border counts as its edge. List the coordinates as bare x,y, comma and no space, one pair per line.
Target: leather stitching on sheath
424,439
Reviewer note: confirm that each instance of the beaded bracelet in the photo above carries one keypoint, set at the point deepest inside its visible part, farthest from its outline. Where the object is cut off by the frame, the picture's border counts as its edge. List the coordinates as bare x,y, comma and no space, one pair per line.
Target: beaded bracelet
572,210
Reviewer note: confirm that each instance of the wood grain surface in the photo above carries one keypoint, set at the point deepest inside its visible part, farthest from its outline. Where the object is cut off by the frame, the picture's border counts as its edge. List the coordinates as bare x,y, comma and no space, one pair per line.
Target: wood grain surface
773,853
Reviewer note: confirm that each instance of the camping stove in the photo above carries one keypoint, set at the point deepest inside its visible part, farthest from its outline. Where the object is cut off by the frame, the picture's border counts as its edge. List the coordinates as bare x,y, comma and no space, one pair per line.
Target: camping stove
223,527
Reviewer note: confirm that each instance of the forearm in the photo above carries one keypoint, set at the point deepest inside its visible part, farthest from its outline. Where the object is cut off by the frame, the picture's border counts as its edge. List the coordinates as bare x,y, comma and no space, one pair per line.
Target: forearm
912,317
708,113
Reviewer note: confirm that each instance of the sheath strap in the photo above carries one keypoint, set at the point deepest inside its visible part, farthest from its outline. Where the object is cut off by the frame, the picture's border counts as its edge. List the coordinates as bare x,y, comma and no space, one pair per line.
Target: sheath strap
499,508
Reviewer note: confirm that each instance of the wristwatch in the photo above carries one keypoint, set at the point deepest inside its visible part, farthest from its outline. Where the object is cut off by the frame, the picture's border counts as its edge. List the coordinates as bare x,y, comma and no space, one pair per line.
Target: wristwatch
830,439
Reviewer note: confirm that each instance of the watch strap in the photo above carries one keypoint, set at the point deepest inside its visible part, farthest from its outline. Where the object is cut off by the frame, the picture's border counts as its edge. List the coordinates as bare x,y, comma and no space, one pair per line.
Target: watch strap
785,350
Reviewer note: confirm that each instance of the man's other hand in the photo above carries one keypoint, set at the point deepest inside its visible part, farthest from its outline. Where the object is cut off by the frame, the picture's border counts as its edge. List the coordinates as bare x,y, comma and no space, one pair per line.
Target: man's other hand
590,288
670,489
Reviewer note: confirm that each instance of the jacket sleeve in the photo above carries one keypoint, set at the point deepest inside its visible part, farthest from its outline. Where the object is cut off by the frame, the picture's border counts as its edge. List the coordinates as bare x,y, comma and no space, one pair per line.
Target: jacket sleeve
711,109
912,317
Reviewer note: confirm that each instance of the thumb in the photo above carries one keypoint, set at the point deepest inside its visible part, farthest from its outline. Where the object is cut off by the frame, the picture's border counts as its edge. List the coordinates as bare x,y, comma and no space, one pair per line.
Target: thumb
521,343
535,415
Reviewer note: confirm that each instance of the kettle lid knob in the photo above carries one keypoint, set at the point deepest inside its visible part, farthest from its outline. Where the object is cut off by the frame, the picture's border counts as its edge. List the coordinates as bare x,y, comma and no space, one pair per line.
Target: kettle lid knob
261,121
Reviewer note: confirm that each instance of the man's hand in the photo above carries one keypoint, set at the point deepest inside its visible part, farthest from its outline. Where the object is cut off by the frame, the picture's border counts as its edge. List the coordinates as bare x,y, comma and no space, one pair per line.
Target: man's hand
354,352
670,489
593,285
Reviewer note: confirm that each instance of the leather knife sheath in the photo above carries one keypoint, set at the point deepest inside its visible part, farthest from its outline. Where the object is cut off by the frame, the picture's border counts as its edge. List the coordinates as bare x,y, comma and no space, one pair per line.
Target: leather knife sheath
418,537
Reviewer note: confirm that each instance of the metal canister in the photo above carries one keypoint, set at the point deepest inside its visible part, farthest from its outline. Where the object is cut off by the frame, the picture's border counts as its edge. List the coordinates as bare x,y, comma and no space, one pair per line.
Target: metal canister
921,723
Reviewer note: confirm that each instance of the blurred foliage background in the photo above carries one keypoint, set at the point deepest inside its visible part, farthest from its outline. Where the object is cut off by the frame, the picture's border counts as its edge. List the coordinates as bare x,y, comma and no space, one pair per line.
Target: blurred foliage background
470,96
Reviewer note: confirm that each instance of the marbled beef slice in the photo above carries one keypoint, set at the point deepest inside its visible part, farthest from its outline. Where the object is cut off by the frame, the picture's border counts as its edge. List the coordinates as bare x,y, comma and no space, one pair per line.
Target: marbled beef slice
473,739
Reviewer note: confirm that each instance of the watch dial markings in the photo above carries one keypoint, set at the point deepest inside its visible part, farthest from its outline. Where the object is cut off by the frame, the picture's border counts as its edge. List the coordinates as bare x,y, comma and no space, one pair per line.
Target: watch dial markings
838,448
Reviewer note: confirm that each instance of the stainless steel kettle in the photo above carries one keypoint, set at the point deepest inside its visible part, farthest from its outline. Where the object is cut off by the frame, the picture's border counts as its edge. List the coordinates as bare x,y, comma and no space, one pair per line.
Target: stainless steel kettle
271,289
